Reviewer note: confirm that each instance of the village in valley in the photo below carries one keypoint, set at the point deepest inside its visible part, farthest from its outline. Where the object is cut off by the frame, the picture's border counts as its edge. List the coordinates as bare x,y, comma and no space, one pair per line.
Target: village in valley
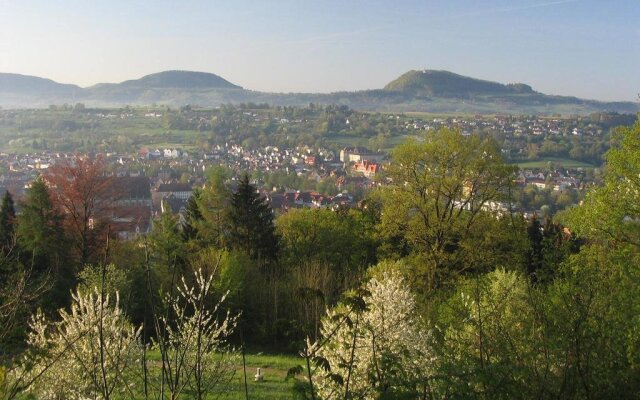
158,179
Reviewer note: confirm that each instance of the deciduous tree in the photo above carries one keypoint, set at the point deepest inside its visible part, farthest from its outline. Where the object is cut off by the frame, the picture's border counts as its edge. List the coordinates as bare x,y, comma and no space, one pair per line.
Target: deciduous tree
84,195
442,190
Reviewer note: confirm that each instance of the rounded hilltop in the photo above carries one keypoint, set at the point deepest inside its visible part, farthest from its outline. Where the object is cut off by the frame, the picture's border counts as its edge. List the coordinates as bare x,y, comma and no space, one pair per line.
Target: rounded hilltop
434,83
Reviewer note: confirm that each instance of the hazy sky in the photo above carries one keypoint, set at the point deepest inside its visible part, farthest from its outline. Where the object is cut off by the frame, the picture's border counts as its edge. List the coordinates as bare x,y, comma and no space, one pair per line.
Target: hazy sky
586,48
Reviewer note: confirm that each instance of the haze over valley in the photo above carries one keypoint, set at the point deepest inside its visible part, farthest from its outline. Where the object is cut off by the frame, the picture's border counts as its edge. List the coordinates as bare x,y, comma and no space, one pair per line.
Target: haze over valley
417,91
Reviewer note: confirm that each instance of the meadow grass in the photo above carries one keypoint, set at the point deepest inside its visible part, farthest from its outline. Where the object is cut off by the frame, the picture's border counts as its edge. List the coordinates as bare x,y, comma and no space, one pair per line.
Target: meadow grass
274,368
565,162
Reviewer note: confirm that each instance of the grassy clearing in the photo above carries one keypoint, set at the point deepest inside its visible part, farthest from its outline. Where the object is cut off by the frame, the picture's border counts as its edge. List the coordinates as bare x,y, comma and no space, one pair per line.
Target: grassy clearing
274,368
274,386
544,162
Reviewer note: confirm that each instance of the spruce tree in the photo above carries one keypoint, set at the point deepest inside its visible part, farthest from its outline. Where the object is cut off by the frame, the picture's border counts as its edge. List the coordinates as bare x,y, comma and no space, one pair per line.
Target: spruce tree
7,254
7,221
214,205
39,228
252,228
167,243
192,218
42,241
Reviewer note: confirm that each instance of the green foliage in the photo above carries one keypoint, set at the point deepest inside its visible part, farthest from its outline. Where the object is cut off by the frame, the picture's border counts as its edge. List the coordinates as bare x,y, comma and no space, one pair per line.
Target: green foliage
252,228
373,345
549,245
40,232
109,279
612,211
438,205
7,221
231,271
341,240
490,339
470,301
193,216
166,242
208,212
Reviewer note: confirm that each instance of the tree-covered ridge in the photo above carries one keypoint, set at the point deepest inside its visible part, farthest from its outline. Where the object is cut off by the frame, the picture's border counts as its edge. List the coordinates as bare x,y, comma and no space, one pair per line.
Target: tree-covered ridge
432,83
180,79
25,84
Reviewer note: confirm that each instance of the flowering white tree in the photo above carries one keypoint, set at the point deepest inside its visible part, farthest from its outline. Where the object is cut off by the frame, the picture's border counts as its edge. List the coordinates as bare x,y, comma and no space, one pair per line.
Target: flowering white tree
88,353
192,340
379,347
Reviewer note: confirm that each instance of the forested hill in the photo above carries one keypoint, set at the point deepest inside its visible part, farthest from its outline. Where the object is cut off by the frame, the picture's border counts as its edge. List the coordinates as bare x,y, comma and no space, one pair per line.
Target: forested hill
181,79
447,84
422,91
33,85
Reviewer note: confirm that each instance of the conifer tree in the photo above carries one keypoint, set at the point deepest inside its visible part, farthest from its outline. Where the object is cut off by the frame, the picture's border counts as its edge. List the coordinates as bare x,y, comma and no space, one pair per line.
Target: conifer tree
214,205
167,244
39,229
42,240
252,227
7,221
192,218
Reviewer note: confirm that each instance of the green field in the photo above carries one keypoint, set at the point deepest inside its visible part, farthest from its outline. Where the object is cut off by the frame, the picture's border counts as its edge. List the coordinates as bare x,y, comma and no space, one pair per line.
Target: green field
544,162
274,386
274,368
343,141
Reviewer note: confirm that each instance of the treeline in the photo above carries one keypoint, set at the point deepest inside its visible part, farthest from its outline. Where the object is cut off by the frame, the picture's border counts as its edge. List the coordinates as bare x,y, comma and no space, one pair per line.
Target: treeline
431,290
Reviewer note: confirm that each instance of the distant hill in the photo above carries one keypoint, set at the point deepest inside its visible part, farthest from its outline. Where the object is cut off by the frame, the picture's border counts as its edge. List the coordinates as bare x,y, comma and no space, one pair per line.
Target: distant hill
447,84
423,91
178,80
26,84
163,87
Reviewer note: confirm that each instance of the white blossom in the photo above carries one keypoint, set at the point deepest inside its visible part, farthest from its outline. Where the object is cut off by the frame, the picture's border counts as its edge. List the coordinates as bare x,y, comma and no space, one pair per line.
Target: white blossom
392,350
88,352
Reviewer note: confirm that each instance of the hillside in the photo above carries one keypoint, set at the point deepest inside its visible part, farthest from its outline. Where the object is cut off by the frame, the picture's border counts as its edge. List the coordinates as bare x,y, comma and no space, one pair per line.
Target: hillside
174,80
27,84
163,87
423,91
447,84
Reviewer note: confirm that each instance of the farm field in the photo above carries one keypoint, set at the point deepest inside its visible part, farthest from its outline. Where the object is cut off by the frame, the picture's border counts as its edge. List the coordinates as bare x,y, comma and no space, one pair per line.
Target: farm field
544,162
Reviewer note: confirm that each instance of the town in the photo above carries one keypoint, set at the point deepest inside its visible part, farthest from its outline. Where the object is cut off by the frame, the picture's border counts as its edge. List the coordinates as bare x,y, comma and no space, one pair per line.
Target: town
558,156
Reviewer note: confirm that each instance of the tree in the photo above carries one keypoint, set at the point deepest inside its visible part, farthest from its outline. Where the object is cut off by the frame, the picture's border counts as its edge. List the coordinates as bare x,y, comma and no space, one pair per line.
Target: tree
88,352
213,206
7,239
252,228
192,339
43,243
84,195
192,218
342,240
500,336
442,196
611,213
7,221
169,253
375,346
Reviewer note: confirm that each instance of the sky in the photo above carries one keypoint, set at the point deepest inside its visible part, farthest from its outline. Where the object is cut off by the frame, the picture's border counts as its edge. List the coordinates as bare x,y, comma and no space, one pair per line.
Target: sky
584,48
